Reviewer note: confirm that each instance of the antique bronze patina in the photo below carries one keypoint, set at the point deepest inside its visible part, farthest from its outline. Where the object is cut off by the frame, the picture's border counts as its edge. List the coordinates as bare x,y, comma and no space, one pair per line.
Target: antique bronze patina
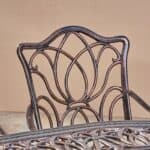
98,135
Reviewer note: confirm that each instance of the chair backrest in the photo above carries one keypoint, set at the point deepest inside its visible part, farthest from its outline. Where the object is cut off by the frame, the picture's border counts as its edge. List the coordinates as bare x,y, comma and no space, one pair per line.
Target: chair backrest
93,47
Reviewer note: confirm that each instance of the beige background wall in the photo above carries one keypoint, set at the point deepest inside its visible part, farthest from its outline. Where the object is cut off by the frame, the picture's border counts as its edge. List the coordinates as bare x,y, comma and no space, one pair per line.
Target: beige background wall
33,20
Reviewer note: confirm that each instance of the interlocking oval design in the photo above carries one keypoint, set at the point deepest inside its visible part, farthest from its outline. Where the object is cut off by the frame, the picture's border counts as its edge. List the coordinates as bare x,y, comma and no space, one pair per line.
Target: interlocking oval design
90,91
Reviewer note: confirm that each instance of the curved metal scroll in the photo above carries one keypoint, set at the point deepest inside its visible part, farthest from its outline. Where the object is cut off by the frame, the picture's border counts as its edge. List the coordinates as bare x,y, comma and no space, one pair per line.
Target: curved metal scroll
95,136
90,93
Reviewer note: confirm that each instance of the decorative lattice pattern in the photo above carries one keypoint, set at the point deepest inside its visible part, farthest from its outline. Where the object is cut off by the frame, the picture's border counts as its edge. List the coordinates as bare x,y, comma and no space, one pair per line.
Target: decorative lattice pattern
91,138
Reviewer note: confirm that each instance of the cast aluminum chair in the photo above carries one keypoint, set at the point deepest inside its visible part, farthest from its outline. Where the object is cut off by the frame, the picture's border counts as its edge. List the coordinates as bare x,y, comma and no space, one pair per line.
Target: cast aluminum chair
101,134
90,93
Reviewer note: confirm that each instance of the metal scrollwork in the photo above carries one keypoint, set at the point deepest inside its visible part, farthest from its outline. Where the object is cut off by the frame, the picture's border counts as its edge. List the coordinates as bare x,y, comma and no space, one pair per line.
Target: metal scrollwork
89,138
90,92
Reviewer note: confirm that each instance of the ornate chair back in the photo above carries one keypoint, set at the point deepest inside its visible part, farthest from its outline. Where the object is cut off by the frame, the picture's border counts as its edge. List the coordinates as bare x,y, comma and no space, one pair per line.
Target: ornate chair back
79,68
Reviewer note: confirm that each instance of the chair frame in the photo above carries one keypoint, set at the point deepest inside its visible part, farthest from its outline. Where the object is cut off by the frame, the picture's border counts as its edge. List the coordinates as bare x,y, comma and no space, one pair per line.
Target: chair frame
77,30
127,134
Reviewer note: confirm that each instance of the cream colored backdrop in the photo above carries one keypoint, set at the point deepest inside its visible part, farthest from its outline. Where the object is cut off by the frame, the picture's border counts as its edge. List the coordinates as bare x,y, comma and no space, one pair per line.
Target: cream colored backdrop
33,20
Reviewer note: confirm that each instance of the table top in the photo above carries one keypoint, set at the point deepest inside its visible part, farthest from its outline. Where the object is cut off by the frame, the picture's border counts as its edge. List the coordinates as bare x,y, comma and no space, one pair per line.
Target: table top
100,135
